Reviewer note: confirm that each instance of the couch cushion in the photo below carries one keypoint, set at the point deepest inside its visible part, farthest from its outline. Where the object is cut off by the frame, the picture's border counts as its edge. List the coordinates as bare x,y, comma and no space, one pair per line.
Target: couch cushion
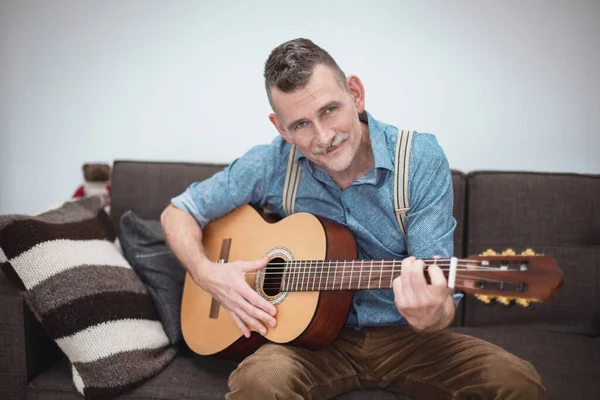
144,246
146,188
567,363
189,376
555,214
86,296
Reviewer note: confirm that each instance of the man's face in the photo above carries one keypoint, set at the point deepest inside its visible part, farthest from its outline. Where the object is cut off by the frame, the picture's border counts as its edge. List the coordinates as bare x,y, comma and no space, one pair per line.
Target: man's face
321,119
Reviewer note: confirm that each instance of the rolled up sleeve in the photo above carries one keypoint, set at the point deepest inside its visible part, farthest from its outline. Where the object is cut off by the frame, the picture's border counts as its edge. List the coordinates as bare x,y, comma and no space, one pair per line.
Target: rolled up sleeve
430,223
242,182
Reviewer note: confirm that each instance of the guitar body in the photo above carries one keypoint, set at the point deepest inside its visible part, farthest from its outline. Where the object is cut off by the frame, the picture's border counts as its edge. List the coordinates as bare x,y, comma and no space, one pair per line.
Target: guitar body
310,319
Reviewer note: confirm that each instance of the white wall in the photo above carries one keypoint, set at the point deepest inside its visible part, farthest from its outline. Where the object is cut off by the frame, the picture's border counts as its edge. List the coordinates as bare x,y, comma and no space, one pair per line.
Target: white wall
504,85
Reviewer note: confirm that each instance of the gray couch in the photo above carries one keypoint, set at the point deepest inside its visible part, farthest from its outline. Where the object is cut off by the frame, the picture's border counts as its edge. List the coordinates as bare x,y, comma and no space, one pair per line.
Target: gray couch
557,214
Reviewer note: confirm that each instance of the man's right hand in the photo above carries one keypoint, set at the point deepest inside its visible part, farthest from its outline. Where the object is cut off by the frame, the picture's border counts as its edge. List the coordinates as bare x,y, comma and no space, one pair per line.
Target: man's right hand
227,284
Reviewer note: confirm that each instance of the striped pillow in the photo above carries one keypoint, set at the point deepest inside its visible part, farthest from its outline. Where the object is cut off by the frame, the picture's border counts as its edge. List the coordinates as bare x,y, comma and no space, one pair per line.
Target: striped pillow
86,296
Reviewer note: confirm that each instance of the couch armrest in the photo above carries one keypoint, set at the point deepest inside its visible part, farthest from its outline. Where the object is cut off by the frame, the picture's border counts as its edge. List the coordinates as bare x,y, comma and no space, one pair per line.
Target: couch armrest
25,349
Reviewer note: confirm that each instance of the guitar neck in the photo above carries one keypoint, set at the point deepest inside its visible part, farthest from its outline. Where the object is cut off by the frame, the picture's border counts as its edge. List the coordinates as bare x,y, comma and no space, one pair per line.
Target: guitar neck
299,276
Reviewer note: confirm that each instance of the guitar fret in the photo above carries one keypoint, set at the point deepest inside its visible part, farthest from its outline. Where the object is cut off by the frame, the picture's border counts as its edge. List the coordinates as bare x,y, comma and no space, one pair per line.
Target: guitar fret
343,268
370,271
289,277
360,276
392,276
380,273
334,276
297,277
321,276
327,280
314,276
351,270
301,271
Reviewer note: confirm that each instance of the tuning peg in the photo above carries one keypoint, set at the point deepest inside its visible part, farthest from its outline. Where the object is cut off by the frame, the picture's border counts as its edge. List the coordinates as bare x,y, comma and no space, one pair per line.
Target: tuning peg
508,252
503,300
523,302
489,252
485,298
528,252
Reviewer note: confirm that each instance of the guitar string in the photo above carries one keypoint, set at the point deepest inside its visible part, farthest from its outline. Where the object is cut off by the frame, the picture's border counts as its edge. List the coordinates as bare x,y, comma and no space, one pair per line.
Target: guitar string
273,285
377,269
432,260
334,287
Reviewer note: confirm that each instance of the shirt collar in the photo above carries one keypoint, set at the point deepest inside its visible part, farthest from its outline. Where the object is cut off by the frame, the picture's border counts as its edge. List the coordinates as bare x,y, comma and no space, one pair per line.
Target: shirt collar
378,144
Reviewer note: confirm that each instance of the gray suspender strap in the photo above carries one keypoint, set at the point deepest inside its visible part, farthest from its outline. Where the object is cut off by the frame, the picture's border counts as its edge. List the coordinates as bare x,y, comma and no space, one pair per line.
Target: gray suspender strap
292,178
401,178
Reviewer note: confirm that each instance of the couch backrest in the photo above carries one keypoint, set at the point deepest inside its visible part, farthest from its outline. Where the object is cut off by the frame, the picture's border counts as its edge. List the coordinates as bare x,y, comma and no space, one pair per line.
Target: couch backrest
146,188
555,214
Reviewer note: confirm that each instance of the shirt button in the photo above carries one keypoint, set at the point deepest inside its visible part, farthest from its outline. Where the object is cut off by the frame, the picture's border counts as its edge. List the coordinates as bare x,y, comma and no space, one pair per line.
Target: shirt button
348,210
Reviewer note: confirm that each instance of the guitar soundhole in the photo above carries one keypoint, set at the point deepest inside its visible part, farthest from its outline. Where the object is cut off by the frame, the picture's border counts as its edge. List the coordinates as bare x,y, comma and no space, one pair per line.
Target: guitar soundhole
273,276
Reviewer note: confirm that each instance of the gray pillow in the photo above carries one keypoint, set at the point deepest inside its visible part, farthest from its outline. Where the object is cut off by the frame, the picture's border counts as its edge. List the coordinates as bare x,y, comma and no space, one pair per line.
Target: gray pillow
146,250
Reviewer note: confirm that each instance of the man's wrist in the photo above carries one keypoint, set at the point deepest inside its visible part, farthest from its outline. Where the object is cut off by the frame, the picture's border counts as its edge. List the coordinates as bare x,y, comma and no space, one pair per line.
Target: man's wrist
445,317
198,270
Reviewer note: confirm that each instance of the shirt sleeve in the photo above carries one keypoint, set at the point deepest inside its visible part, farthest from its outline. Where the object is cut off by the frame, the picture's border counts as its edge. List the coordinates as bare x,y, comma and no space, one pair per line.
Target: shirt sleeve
244,181
430,224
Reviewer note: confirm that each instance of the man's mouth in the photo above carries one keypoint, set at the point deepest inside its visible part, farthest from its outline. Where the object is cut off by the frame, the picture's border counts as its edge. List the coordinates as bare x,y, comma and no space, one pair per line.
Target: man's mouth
335,144
332,149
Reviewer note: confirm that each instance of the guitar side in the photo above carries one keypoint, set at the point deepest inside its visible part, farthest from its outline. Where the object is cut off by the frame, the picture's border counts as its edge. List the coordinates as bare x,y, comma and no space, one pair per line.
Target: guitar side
308,319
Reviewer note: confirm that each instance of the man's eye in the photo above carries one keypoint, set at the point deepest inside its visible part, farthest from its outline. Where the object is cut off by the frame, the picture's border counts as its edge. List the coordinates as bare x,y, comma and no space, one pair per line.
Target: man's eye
329,110
301,125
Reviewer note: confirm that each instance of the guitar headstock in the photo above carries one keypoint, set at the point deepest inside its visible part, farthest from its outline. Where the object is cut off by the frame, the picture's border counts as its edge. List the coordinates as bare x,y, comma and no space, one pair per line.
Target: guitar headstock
510,277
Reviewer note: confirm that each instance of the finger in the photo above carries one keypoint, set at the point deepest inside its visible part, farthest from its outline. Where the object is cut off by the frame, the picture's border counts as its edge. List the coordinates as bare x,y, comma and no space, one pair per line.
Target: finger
437,276
398,294
256,300
417,278
258,314
255,265
240,324
405,268
252,322
407,288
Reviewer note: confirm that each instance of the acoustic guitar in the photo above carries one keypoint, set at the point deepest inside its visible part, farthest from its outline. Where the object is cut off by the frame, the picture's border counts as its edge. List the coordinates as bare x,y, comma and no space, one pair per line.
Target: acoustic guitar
313,273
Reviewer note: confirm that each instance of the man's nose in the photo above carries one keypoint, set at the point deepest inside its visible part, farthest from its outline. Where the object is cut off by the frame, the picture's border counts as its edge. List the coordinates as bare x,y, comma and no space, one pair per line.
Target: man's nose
324,134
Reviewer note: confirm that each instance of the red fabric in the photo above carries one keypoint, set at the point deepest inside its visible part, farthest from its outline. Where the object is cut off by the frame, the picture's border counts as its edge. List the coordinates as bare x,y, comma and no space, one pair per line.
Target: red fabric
79,192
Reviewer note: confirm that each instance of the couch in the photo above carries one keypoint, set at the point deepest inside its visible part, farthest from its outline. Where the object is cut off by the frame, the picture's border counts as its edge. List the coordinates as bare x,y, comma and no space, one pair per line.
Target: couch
557,214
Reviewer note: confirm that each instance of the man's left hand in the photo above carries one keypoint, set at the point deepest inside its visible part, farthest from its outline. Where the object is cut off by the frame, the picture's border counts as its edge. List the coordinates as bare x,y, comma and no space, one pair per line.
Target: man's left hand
425,306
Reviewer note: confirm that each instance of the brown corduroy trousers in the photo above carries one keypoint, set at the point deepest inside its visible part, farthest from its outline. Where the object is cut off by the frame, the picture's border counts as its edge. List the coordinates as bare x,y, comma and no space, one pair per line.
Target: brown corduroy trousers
440,365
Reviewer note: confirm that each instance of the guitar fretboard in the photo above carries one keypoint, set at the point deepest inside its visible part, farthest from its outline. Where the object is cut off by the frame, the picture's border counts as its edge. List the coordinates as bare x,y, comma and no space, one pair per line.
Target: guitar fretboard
300,276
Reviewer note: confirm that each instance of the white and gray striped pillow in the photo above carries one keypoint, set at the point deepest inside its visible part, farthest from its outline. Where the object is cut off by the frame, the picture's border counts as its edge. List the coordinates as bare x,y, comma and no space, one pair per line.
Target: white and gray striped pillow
86,296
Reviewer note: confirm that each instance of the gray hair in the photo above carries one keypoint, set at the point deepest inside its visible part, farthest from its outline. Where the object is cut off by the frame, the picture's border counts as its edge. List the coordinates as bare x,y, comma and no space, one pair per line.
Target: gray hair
290,66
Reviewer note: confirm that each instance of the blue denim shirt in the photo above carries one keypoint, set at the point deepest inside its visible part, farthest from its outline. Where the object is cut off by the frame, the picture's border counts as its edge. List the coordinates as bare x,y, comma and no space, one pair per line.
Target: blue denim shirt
366,207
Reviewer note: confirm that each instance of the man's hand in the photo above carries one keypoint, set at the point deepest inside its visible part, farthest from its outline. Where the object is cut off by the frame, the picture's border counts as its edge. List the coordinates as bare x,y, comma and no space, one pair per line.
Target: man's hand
227,284
425,306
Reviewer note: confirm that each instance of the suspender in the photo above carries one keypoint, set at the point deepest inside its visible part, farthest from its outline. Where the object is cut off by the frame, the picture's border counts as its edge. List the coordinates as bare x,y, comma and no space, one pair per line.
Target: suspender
292,178
401,178
402,159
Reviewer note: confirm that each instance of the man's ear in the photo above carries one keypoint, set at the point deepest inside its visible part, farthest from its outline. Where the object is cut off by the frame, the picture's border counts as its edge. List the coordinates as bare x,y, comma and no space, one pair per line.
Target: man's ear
357,91
279,126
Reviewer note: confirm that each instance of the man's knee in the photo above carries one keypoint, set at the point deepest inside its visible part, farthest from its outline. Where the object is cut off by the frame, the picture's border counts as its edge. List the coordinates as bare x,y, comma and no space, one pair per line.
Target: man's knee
508,377
523,380
272,372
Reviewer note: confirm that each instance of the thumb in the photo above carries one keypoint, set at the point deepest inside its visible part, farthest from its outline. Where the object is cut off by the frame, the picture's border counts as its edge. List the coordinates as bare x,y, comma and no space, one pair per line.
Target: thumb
255,265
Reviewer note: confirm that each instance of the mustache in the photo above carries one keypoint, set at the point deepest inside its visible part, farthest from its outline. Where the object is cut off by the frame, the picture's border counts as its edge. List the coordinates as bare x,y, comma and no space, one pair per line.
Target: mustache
337,140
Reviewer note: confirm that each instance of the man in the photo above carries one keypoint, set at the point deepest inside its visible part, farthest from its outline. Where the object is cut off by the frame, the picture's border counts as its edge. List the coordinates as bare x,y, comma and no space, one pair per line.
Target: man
394,339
